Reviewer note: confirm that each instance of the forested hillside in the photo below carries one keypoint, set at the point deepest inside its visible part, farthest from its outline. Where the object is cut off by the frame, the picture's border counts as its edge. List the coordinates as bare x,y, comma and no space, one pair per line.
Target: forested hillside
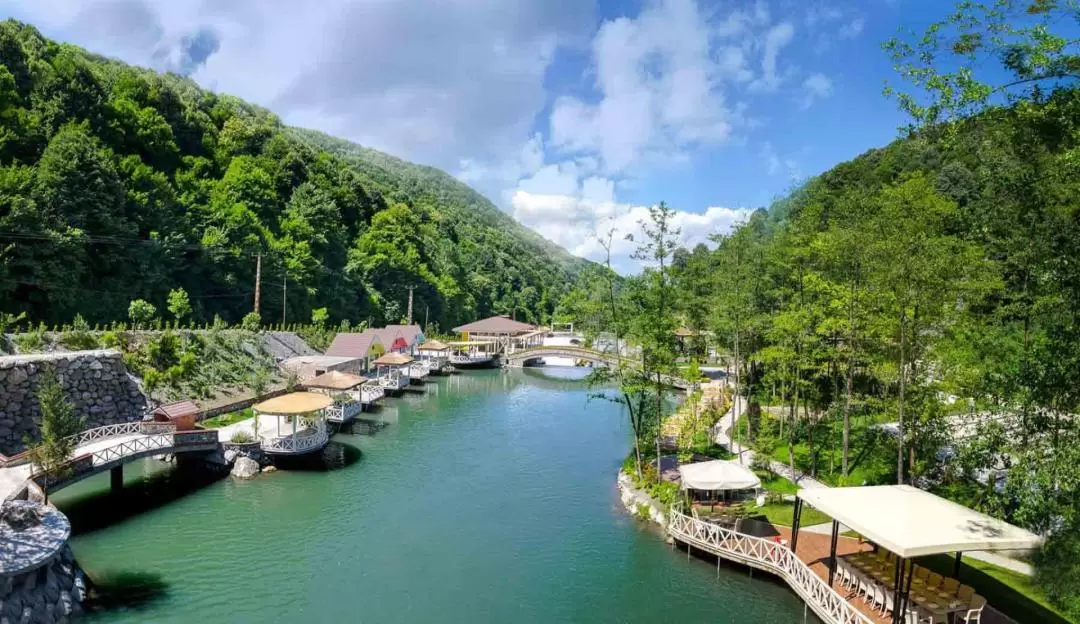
117,183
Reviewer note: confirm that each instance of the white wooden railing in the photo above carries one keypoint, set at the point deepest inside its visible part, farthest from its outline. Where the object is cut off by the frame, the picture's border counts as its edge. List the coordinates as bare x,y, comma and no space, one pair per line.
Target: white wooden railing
131,447
305,441
772,557
418,370
343,412
371,393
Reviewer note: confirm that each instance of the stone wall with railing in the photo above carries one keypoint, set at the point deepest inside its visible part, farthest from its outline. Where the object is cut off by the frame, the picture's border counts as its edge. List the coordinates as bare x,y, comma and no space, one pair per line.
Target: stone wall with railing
97,382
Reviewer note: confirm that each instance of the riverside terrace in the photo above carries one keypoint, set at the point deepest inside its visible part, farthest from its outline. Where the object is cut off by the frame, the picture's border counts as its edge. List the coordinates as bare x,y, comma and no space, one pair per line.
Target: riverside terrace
876,578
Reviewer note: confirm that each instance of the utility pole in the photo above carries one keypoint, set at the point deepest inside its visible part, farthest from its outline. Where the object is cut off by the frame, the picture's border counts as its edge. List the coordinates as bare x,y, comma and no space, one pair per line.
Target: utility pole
284,301
258,279
410,305
427,313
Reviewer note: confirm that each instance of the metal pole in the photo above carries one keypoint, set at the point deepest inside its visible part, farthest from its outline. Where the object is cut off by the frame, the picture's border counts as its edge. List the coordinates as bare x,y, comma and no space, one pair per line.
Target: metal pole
795,524
906,598
284,300
898,585
832,551
956,565
258,280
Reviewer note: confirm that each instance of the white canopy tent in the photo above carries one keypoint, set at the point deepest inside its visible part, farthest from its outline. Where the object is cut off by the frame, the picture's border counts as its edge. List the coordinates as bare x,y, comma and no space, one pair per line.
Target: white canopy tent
912,522
718,475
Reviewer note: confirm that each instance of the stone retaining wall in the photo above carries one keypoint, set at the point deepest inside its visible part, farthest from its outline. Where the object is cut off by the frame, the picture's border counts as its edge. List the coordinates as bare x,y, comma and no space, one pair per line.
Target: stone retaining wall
97,382
638,502
51,593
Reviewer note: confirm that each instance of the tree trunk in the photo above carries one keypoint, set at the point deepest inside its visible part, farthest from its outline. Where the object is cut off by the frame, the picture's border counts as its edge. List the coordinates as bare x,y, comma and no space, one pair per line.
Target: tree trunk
900,420
791,430
845,445
635,424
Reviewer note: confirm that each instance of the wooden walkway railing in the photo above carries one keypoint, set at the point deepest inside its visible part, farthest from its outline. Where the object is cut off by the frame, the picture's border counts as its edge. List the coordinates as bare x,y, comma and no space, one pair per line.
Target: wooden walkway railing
772,557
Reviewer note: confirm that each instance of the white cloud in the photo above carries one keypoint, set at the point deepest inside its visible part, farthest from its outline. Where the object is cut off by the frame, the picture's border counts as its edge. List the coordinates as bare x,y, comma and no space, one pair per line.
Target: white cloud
816,87
575,222
853,28
658,84
776,40
776,165
451,81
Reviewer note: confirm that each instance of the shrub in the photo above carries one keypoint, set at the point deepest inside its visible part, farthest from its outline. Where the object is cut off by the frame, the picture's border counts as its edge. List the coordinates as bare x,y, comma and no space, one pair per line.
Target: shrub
141,313
79,337
33,340
251,321
241,437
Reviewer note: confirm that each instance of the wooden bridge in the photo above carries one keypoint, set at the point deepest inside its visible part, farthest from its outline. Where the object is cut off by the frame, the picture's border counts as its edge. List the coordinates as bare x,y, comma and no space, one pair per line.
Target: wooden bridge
105,448
523,357
770,556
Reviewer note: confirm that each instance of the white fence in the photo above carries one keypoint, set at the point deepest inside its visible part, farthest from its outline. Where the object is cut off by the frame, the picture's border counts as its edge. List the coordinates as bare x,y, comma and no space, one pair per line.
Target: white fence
770,556
305,441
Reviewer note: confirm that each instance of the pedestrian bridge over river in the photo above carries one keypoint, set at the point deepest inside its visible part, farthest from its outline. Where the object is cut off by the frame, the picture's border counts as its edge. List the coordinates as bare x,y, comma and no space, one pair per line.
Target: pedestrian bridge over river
105,448
523,357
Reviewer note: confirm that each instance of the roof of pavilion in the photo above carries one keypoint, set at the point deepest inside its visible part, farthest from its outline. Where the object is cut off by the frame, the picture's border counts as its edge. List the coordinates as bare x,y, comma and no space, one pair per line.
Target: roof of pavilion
294,403
393,359
495,325
335,380
912,522
434,345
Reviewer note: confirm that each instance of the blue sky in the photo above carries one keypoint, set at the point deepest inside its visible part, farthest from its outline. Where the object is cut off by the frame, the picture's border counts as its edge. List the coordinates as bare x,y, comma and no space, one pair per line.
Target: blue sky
571,115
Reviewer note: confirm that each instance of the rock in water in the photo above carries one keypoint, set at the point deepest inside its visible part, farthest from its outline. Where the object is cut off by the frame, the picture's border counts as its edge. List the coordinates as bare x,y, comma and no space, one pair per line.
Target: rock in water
231,455
270,468
245,468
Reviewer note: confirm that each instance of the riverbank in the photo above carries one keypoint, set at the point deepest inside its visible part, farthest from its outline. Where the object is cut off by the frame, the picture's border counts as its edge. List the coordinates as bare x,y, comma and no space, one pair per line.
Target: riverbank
475,496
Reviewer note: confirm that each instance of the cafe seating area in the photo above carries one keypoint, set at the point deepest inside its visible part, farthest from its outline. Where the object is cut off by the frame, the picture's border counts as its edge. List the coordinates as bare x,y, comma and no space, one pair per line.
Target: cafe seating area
933,598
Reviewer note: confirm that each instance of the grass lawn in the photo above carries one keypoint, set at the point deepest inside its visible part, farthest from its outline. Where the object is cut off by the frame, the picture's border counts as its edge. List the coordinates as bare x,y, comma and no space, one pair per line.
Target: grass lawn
776,483
223,420
1012,593
867,465
783,514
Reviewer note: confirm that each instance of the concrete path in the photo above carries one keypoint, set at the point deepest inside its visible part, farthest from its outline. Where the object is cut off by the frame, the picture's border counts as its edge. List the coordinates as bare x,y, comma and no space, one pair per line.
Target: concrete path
804,481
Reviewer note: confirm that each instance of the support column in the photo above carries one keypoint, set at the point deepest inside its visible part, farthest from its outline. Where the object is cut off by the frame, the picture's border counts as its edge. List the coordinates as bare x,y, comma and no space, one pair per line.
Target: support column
900,569
796,520
832,551
116,479
956,565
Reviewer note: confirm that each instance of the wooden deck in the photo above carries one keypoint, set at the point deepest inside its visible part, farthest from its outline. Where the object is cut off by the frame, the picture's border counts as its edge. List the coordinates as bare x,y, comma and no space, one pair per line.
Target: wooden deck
813,549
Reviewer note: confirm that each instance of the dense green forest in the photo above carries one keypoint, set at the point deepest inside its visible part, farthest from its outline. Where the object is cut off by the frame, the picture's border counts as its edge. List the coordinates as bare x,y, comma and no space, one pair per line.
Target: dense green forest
913,315
118,183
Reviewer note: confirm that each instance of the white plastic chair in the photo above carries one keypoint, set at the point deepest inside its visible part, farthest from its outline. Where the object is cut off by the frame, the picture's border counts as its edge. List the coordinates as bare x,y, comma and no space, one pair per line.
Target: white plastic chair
974,612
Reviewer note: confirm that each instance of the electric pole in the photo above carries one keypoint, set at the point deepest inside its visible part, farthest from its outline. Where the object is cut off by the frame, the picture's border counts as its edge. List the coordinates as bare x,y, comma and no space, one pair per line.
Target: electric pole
258,279
409,315
284,301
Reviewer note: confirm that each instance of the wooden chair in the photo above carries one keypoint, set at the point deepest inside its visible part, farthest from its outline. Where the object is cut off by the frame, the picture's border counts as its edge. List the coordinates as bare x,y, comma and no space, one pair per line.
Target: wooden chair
974,612
933,579
950,585
965,592
921,573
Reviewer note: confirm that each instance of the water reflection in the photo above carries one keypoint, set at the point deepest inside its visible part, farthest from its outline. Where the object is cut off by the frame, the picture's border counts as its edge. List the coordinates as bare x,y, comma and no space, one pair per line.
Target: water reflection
93,507
125,591
334,456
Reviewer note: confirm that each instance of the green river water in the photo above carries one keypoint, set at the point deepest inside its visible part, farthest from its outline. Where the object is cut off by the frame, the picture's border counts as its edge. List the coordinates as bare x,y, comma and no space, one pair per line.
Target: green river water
488,498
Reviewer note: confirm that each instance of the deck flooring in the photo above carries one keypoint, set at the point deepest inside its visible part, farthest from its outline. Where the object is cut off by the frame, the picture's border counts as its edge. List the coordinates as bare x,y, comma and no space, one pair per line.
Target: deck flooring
813,549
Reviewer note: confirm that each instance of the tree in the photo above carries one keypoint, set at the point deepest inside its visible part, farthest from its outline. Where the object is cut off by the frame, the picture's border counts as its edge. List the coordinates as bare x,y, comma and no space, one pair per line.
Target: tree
654,326
319,317
59,424
179,304
251,322
141,312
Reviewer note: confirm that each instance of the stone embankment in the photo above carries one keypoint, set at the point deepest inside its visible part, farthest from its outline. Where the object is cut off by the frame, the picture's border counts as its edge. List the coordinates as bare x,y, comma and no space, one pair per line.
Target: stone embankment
40,583
639,502
97,382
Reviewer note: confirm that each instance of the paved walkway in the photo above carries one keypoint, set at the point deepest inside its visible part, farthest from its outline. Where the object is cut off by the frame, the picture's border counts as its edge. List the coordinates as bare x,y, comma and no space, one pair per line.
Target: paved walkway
803,480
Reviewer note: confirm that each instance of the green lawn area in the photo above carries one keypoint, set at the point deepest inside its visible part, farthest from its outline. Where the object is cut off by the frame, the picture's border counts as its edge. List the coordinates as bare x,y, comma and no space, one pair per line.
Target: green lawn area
223,420
867,465
783,514
1012,593
776,483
